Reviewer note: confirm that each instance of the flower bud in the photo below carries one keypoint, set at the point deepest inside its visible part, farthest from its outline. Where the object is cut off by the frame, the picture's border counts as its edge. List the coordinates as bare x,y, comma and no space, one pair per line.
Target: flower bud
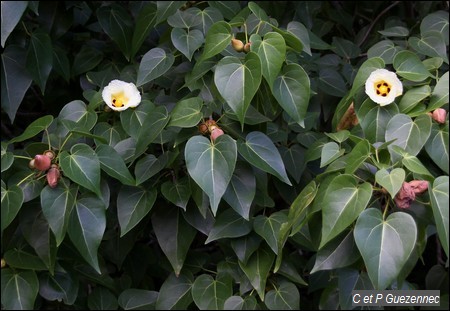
237,45
247,47
31,164
3,264
405,196
419,186
439,115
53,175
216,133
42,162
203,128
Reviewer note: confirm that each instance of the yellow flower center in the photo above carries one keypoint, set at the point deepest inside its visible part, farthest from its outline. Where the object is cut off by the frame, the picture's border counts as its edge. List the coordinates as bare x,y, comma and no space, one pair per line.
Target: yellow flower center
119,99
383,88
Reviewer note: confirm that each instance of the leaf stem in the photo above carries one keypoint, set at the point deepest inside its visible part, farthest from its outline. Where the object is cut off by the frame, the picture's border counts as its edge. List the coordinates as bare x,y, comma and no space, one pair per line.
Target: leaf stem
23,180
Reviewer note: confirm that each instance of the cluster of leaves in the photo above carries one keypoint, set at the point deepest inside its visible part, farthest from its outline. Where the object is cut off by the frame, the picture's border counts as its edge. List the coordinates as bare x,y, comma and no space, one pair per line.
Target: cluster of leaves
281,211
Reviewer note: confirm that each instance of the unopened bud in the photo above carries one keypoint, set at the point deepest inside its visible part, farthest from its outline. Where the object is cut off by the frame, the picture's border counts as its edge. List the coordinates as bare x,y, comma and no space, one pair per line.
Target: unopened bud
42,162
53,175
439,115
247,47
237,45
216,133
31,164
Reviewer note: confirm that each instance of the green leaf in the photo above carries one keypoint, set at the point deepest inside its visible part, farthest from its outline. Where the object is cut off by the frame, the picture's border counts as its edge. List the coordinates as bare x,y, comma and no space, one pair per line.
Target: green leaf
343,201
145,22
174,235
211,165
210,293
185,18
272,53
238,82
12,200
60,286
431,44
259,13
86,228
408,134
14,78
439,97
175,292
154,64
57,206
152,126
241,190
137,299
133,204
7,157
385,49
113,165
238,303
396,31
290,38
148,166
229,9
61,63
345,48
364,72
177,192
208,17
87,59
217,39
409,66
39,60
82,167
11,15
439,204
82,118
257,269
102,299
391,181
301,32
22,259
167,8
385,245
229,225
437,146
437,21
294,160
117,24
260,151
132,120
19,289
292,91
187,42
330,152
187,113
268,228
413,97
284,297
331,82
357,156
245,246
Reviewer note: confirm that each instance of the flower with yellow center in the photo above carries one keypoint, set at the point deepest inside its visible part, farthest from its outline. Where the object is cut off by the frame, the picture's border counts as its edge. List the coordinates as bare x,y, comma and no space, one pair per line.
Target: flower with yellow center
383,86
120,95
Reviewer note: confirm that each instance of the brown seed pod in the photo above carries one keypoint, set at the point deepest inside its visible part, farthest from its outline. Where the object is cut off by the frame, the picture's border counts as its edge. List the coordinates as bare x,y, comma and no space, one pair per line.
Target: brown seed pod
42,162
53,176
31,164
237,45
50,154
203,128
247,47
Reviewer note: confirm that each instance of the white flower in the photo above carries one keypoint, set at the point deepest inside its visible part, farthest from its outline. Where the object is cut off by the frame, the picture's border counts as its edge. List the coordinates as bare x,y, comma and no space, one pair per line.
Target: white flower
120,95
383,86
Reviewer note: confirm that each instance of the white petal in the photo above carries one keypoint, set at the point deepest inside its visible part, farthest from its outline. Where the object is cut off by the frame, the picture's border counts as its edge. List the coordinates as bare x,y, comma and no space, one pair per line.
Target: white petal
117,86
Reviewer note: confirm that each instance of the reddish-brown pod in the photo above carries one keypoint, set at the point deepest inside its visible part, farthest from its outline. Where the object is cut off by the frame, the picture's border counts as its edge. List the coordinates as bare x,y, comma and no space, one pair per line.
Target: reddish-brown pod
42,162
53,176
216,133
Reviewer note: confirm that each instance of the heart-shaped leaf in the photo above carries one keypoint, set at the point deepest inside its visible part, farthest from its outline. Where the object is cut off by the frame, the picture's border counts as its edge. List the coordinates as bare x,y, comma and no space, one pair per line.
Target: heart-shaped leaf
343,201
439,97
177,192
175,292
437,146
409,66
39,60
385,49
439,203
245,246
413,97
145,22
135,299
208,17
12,200
12,12
102,299
33,129
229,225
238,82
152,126
148,166
283,297
211,165
77,112
391,181
82,167
330,152
260,151
357,156
132,120
210,293
385,245
217,39
269,227
112,163
431,43
20,288
154,64
187,113
187,42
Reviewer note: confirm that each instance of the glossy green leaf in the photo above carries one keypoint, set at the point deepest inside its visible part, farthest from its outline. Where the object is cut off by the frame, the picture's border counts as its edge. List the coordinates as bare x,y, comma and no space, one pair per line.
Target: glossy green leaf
113,165
294,160
385,245
357,156
345,48
152,126
437,21
174,235
86,228
15,79
132,120
269,227
391,181
229,9
177,192
145,22
257,269
292,91
12,199
437,146
301,32
154,64
217,39
19,289
245,246
283,297
238,82
77,112
208,17
102,299
412,163
167,8
19,258
239,303
331,82
412,97
117,24
241,190
431,43
185,18
439,97
260,151
439,203
187,113
330,152
408,65
137,299
187,42
133,204
229,225
62,286
290,38
175,292
11,14
272,52
411,135
210,293
87,59
82,166
211,165
395,31
343,201
148,166
364,72
111,134
39,59
61,63
385,49
7,157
